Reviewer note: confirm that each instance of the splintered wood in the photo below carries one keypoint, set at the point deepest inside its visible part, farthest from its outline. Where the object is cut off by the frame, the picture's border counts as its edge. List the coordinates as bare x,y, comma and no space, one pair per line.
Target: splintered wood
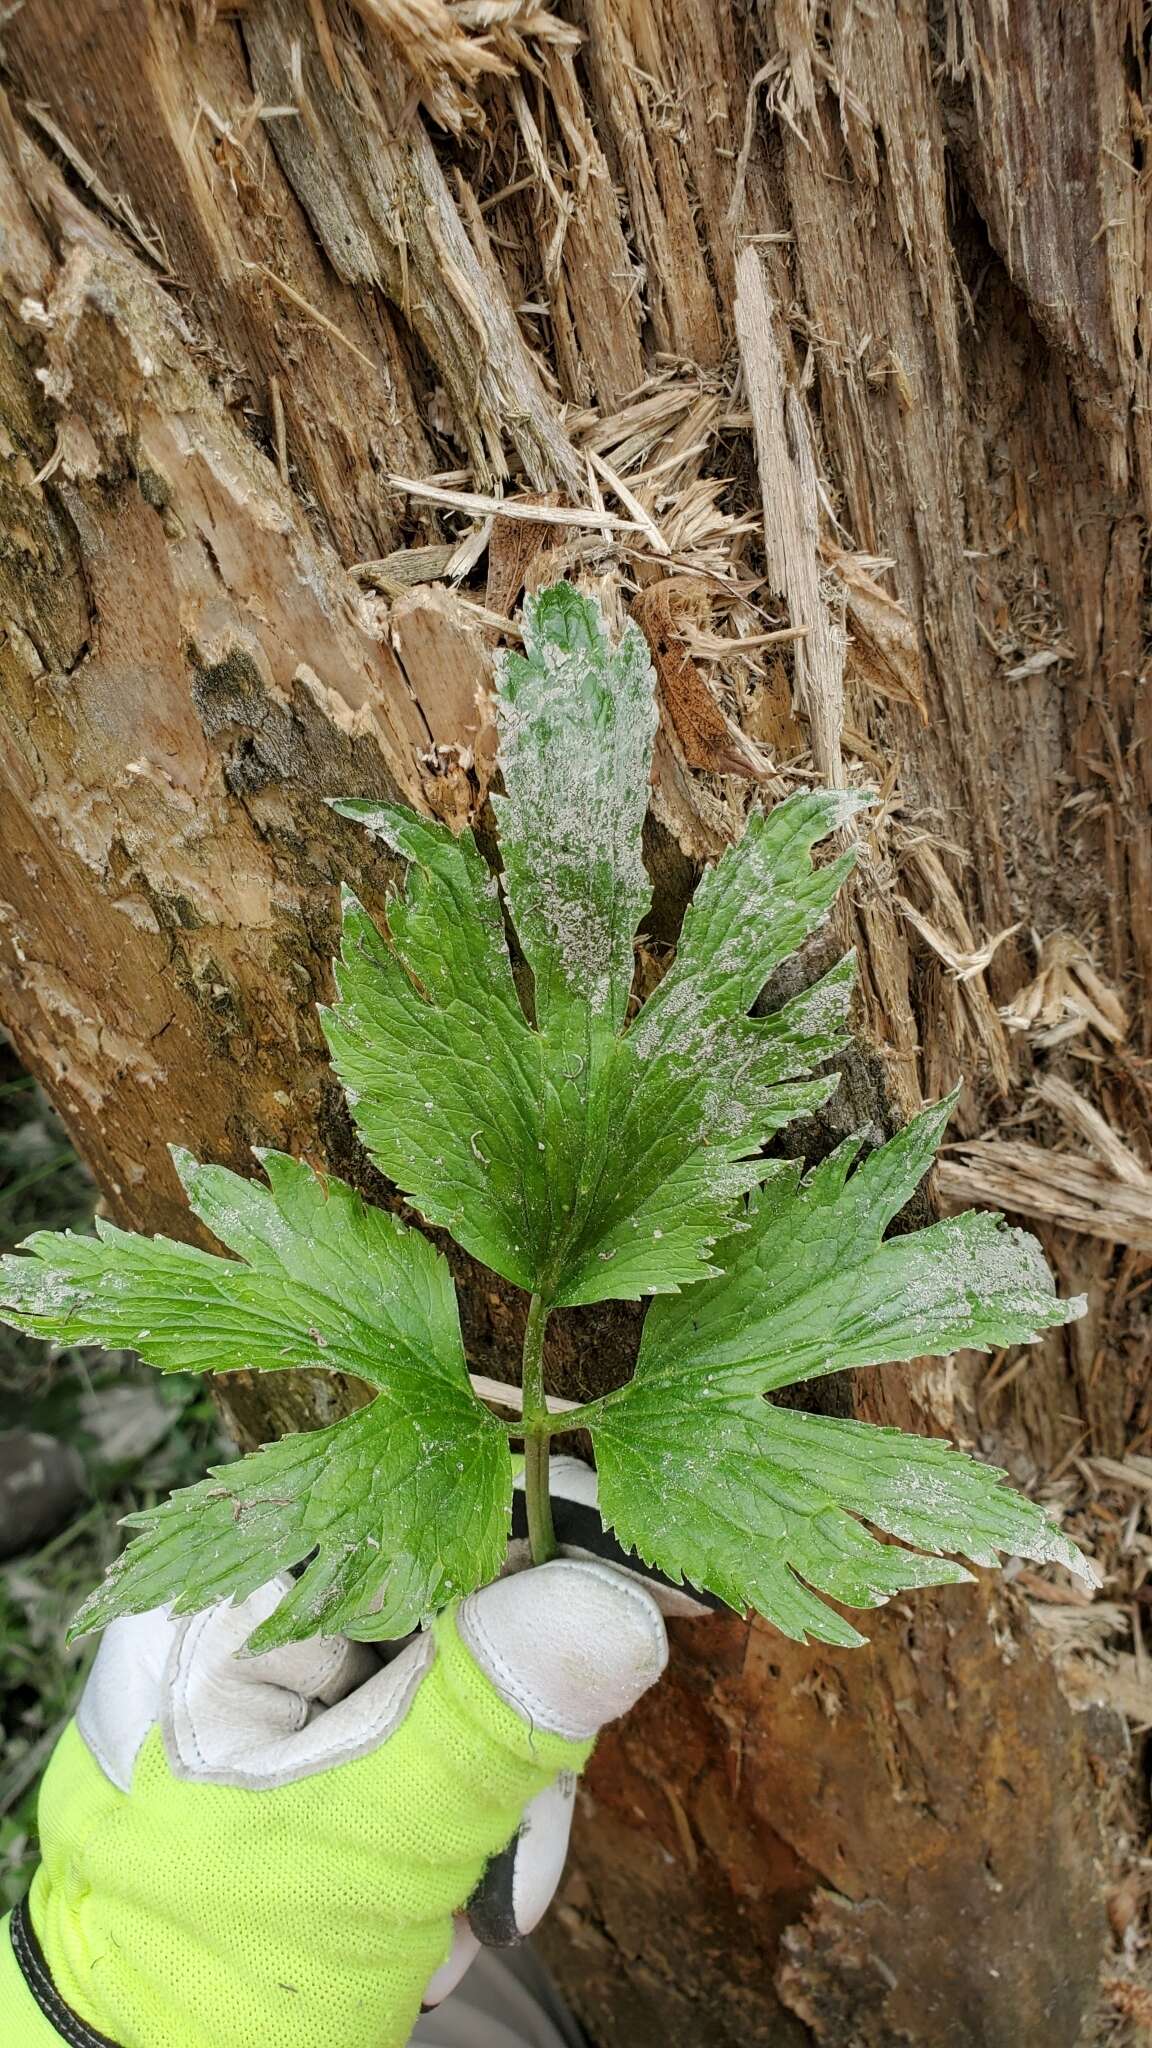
1108,1196
792,521
1066,997
1058,1187
709,739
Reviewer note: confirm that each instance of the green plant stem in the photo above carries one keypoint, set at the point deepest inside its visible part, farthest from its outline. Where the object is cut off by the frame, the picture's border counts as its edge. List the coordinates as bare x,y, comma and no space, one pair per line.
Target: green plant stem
563,1421
537,1430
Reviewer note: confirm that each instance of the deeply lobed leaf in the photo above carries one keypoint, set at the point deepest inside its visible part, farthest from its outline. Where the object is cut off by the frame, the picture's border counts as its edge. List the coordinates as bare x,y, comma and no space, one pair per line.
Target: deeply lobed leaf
582,1157
584,1154
750,912
708,1481
442,1070
403,1504
762,1505
577,718
394,1513
809,1286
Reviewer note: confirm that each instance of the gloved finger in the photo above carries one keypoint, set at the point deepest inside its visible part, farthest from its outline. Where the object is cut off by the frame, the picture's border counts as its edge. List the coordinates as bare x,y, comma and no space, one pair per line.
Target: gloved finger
464,1951
320,1668
580,1533
568,1646
234,1719
520,1883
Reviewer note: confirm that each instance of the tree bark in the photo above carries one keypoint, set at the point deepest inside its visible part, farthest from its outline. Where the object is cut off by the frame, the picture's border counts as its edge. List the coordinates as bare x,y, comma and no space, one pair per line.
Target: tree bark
852,303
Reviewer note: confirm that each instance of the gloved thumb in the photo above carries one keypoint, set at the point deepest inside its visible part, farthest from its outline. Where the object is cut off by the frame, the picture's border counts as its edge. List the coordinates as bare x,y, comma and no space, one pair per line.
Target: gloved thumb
569,1645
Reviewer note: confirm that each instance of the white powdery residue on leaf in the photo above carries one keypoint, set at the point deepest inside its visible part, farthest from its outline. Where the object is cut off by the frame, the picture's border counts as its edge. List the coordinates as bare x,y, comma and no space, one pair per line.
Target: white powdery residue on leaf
52,1293
649,1032
931,1290
378,822
961,1271
823,1008
1057,1549
1009,1268
576,729
726,1111
845,804
745,940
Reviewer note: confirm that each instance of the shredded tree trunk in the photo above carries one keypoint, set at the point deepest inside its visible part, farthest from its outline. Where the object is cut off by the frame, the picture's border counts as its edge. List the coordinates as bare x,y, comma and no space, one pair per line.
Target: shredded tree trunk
818,337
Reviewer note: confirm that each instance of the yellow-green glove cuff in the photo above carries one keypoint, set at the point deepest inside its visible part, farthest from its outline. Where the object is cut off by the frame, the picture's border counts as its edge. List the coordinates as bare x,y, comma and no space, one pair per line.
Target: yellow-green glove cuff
23,2019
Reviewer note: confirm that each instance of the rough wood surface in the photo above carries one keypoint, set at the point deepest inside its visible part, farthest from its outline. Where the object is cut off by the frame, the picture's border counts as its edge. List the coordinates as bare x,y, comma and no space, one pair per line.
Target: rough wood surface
831,323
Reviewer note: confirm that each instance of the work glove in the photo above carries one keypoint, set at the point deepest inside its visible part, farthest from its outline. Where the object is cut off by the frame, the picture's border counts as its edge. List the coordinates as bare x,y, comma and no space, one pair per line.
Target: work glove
247,1851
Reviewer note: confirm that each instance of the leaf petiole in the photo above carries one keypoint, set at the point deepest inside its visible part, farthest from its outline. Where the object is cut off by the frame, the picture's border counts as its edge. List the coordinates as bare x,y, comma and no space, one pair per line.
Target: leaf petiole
561,1421
536,1426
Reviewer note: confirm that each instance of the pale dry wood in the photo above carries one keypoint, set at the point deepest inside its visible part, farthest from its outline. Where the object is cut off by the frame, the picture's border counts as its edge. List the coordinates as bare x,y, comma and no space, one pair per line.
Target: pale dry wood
377,196
406,566
1065,1188
220,211
884,315
1083,1117
113,202
537,511
724,645
1066,997
433,631
790,497
1073,238
503,1395
940,916
450,51
297,299
631,503
962,963
631,80
884,653
1132,1472
192,711
597,304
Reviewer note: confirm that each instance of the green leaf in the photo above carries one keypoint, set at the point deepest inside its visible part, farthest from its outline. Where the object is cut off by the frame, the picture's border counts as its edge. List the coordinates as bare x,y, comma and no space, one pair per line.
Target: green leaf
585,1152
399,1512
705,1479
810,1288
577,718
750,912
582,1159
442,1071
760,1505
404,1504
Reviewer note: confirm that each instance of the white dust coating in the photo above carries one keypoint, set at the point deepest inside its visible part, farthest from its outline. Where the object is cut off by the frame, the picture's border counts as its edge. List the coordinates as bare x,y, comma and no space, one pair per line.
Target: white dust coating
824,1008
383,822
922,1490
753,909
379,820
31,1289
842,805
576,730
741,903
963,1271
